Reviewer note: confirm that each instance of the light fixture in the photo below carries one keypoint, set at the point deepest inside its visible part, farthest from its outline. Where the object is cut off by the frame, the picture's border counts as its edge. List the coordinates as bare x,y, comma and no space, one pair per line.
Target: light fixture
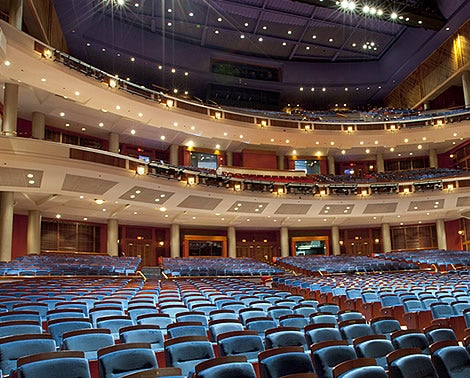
406,190
237,187
112,83
47,53
140,170
280,191
218,115
191,180
99,201
450,187
264,123
364,192
169,103
461,232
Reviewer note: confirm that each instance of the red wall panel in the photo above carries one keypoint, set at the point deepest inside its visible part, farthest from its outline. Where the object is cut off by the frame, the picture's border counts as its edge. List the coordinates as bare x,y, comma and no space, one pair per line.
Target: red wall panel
20,229
454,240
259,159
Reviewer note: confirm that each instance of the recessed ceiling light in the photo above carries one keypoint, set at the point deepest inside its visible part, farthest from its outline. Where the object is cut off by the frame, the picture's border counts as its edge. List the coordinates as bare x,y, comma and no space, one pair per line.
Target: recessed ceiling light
77,93
260,39
219,19
191,14
83,129
330,40
133,132
242,36
284,43
246,24
43,79
289,32
216,32
118,107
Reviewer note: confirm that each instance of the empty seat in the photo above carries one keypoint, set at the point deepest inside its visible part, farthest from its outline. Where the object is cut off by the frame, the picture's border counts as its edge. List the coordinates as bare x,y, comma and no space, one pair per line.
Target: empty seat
409,363
327,354
143,333
64,364
278,362
180,329
351,329
359,368
316,333
186,352
14,347
87,341
374,346
244,343
285,336
410,338
118,360
450,359
385,325
225,367
436,333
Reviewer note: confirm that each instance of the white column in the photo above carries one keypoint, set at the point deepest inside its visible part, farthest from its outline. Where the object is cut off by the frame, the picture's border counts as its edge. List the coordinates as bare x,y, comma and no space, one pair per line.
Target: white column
285,242
280,162
386,239
466,88
113,237
433,162
331,165
10,109
335,240
6,225
39,125
232,241
113,142
441,234
175,241
379,163
33,235
228,158
15,13
174,154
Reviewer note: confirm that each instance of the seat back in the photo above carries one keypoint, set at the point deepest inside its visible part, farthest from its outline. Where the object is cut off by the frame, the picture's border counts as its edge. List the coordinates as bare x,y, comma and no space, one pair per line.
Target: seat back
410,339
87,341
14,347
450,359
186,352
231,366
244,343
63,364
328,354
285,336
315,333
115,360
278,362
409,363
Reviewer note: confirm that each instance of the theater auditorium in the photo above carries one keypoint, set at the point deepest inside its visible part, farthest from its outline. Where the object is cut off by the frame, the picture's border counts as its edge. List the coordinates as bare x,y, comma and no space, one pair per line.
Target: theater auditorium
235,188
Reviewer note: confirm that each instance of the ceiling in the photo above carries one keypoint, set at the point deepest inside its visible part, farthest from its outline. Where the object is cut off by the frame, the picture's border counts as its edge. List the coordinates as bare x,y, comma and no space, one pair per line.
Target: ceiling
173,44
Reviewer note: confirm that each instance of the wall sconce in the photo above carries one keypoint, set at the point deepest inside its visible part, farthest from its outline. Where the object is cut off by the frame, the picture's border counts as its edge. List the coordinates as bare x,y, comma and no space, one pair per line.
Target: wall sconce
191,180
280,191
461,232
393,128
322,193
169,103
140,170
308,128
439,123
376,241
237,187
47,53
364,192
350,129
450,187
217,115
263,123
406,191
112,83
341,242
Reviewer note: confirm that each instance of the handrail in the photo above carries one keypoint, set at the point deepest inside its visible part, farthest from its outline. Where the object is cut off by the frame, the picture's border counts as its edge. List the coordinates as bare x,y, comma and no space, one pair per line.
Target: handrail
261,118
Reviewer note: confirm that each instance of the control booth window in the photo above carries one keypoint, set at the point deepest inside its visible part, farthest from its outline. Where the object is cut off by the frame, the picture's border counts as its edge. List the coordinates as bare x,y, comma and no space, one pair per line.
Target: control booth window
202,160
311,167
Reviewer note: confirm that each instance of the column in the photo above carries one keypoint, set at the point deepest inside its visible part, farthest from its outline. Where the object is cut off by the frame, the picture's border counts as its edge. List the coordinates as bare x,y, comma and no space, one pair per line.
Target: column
433,163
113,142
6,225
466,88
113,237
10,109
33,235
379,163
229,158
335,240
174,148
331,165
441,234
15,13
280,162
39,125
284,242
232,241
386,239
175,241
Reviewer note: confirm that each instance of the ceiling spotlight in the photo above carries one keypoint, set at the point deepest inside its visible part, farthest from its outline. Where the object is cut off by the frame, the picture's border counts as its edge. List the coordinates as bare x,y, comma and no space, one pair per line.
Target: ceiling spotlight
394,16
99,201
366,9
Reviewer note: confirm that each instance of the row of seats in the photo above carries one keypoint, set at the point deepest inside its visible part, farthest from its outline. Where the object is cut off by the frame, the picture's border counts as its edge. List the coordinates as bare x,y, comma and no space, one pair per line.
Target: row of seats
443,260
76,264
221,266
341,264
